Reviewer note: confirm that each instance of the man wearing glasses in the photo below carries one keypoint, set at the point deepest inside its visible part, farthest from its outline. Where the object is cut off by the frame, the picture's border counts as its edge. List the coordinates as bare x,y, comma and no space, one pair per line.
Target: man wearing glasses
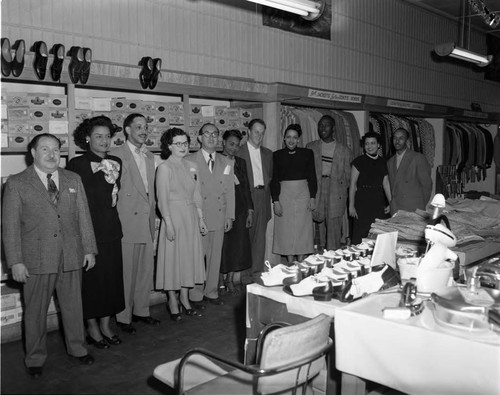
136,209
217,191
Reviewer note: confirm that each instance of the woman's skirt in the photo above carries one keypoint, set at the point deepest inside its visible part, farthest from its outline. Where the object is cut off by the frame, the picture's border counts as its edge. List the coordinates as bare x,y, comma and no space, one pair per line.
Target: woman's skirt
293,231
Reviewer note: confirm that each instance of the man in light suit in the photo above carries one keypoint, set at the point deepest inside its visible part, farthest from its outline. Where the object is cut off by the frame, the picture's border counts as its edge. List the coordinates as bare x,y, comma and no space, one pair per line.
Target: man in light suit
409,176
48,238
217,191
333,172
259,162
136,209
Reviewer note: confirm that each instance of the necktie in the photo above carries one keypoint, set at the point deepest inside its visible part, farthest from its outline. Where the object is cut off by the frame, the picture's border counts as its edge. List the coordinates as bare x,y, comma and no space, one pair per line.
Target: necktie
211,163
53,191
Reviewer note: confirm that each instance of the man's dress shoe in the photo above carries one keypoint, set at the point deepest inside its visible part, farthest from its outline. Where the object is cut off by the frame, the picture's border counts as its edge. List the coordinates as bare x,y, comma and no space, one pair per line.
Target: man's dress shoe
41,58
34,371
57,65
76,64
147,320
18,61
87,61
155,73
86,359
147,70
128,328
215,301
6,57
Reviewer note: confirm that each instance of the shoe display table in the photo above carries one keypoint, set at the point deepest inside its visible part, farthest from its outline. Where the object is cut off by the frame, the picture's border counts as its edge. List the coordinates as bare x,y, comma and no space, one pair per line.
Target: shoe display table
272,304
415,356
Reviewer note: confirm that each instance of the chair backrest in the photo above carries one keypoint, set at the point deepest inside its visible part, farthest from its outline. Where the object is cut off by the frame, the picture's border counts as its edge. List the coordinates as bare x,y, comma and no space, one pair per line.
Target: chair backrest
299,345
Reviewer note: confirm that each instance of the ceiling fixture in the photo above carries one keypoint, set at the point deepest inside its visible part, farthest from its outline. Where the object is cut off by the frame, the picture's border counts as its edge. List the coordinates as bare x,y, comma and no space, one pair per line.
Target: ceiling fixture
459,52
490,17
307,9
450,49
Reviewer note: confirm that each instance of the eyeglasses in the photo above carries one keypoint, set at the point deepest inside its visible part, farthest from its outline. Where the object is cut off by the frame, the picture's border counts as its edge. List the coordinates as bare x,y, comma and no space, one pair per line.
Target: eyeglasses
180,145
211,134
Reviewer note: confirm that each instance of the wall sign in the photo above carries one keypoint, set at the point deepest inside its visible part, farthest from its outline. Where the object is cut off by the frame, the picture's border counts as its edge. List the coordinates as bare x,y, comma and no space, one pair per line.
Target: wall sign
334,96
405,104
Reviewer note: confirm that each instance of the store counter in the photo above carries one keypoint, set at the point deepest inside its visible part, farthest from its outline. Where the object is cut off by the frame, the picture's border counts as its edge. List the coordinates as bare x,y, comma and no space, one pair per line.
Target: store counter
415,356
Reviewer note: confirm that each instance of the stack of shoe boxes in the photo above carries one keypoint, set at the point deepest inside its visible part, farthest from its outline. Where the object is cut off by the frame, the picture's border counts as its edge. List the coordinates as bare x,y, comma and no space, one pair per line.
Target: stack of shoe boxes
29,114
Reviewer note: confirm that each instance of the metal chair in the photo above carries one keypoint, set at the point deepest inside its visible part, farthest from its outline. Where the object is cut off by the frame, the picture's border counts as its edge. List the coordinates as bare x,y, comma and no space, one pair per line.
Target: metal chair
290,358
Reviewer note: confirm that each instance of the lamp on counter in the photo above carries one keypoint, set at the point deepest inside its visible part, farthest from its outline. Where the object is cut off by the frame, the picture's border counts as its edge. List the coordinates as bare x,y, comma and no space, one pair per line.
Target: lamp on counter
307,9
450,49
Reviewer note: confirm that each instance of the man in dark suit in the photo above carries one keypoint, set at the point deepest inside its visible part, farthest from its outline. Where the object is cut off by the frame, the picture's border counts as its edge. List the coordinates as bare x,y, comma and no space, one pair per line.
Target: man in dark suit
409,176
259,162
217,191
136,209
48,239
333,172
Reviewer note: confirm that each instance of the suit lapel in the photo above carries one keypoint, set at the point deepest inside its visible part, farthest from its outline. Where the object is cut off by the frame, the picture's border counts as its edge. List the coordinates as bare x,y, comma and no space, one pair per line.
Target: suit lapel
245,154
38,185
136,175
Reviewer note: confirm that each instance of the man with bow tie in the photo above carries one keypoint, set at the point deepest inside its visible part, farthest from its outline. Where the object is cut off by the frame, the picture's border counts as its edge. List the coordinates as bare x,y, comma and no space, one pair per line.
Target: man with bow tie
48,238
136,209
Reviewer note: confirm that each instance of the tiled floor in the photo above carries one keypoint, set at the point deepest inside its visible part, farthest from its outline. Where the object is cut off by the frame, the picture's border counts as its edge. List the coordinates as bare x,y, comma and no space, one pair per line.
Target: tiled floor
128,368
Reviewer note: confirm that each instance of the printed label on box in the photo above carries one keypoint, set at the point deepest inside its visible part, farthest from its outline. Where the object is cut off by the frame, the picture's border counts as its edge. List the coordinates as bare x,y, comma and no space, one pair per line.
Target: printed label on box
176,120
117,117
150,118
8,301
221,122
148,107
64,140
233,113
58,114
161,108
195,109
35,100
196,121
118,140
19,113
244,113
18,127
101,104
176,108
162,120
208,111
60,101
4,111
38,127
151,141
19,141
58,127
17,99
39,114
83,103
220,111
80,115
4,140
8,317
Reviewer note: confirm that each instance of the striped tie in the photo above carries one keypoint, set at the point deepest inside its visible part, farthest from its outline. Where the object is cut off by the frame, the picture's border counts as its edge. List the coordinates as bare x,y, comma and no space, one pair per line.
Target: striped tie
211,163
53,191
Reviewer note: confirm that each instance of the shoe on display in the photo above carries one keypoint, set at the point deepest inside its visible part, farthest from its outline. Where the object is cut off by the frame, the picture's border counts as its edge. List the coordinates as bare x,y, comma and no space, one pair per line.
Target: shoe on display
6,57
87,61
76,64
155,73
18,60
147,70
306,286
40,59
56,68
276,274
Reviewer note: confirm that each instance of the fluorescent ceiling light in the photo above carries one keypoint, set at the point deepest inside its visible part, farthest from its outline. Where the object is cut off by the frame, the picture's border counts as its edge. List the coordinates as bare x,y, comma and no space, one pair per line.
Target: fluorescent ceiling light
305,8
450,49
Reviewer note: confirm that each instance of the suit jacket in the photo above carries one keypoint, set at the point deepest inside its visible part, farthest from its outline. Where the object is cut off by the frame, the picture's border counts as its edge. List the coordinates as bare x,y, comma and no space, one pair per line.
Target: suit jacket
267,170
340,177
411,184
217,189
36,232
136,208
245,202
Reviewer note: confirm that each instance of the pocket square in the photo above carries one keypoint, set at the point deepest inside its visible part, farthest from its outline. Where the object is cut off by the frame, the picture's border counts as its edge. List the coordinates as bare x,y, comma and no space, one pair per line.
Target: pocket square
227,170
72,190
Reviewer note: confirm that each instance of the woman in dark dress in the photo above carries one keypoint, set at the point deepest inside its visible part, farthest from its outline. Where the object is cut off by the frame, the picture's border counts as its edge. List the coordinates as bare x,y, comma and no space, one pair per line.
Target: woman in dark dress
236,252
293,190
369,188
102,287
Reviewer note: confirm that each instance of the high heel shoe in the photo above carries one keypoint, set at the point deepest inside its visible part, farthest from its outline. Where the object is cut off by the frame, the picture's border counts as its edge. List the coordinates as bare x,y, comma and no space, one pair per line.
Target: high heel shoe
114,340
100,344
191,312
174,316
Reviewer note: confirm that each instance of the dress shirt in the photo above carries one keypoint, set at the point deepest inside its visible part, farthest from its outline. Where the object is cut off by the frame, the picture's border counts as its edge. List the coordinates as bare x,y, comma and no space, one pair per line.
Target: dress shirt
206,156
255,158
140,159
399,158
43,177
